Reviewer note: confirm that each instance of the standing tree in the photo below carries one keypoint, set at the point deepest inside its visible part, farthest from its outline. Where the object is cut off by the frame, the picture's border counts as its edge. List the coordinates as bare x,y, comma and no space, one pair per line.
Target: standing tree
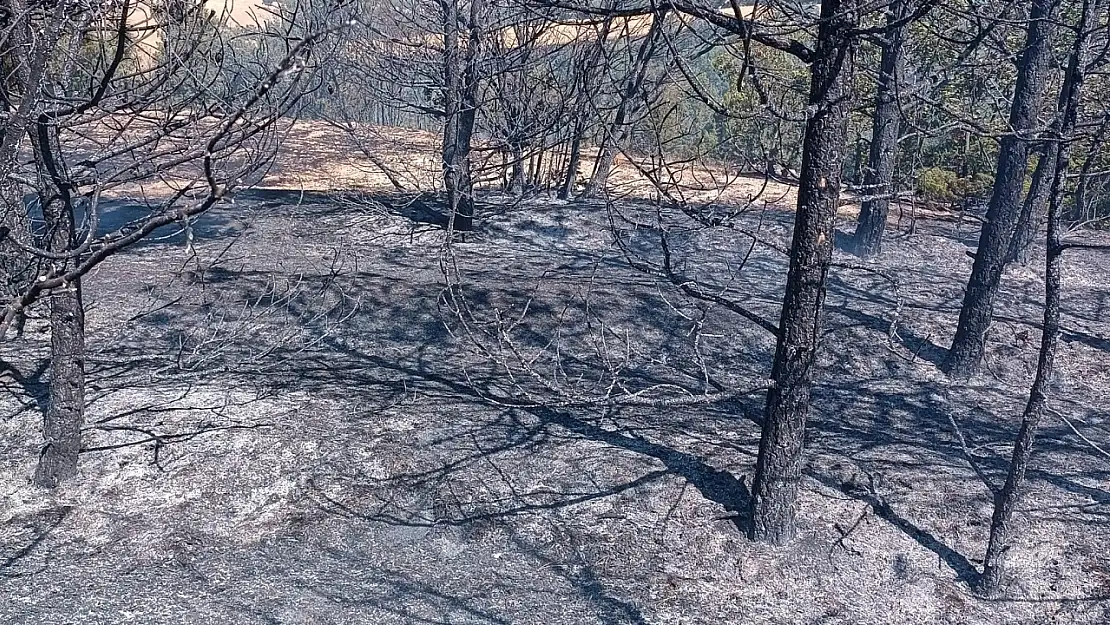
885,126
966,352
831,76
1033,207
586,71
460,97
778,467
1061,134
616,134
110,97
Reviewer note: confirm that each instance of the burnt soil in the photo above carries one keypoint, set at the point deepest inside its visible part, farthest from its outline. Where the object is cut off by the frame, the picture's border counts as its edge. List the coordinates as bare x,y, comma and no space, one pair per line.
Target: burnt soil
302,424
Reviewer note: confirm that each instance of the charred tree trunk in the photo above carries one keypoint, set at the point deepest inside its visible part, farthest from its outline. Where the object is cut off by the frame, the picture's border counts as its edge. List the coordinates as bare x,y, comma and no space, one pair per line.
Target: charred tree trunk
966,352
1079,211
883,153
1008,498
460,78
452,81
535,169
468,114
65,409
516,178
574,159
1033,208
22,68
778,468
586,73
617,133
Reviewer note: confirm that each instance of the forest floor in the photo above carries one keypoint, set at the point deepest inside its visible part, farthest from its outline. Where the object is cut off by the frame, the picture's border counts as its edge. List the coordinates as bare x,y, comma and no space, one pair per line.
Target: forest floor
295,427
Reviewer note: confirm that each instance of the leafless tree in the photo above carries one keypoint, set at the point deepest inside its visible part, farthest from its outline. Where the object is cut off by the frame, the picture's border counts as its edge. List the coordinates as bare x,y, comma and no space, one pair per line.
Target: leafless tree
616,135
835,33
158,102
885,130
1061,134
966,352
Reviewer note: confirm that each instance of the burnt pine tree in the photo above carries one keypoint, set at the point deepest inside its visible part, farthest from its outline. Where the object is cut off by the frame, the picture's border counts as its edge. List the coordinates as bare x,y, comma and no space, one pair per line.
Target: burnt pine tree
460,86
64,177
617,133
584,77
32,36
65,407
885,125
1032,209
966,352
1007,499
22,63
778,467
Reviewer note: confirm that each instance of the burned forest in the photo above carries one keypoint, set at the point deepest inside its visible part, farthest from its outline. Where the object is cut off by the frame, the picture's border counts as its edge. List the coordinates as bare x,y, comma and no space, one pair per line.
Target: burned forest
554,312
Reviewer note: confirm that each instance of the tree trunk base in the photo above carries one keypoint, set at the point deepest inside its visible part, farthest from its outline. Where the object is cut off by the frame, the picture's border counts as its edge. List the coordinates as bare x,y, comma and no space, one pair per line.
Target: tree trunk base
990,583
57,464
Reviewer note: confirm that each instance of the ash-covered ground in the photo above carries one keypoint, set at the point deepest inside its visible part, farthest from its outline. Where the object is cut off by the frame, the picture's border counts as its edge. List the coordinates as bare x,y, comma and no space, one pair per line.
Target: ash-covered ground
304,424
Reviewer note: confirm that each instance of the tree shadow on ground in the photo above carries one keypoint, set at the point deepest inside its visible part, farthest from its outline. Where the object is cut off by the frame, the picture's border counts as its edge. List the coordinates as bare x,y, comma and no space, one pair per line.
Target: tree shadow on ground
959,563
714,484
406,597
31,385
40,527
419,208
397,342
898,419
918,346
582,575
340,365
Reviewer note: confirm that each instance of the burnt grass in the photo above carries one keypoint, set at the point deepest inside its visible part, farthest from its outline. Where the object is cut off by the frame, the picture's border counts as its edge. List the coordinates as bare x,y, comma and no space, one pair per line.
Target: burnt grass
303,424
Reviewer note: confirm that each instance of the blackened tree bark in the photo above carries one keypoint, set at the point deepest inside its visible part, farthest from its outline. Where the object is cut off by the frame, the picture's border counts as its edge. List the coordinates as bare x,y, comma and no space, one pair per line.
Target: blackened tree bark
778,468
574,159
468,114
585,78
1079,209
23,65
1033,208
966,352
617,133
452,80
1009,497
516,178
460,79
882,155
55,88
65,409
26,61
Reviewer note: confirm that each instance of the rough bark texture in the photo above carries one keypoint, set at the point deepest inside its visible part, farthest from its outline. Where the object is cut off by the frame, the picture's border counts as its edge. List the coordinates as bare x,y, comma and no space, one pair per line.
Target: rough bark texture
606,156
1033,208
65,409
574,159
1079,210
882,155
1009,497
617,133
22,66
778,468
966,352
460,78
